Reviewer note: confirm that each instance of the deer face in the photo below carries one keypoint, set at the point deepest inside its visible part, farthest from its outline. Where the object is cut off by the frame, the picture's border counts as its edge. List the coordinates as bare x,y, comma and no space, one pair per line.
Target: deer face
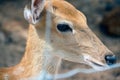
71,38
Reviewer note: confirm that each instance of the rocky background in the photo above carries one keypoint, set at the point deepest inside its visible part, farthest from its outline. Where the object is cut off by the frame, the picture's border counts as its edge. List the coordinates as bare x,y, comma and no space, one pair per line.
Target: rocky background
13,31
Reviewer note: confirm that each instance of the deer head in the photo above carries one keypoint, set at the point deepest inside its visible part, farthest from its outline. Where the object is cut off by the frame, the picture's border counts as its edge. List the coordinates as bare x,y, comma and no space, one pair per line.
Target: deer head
71,38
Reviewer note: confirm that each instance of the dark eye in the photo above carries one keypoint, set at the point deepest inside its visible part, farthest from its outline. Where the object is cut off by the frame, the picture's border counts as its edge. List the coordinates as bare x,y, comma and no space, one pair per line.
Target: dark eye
64,28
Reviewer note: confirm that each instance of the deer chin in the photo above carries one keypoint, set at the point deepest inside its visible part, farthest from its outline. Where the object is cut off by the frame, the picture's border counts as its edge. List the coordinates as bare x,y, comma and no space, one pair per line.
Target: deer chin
94,63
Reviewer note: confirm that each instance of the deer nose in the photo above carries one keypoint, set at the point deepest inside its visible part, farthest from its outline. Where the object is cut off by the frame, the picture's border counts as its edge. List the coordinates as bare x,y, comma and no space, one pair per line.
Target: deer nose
110,59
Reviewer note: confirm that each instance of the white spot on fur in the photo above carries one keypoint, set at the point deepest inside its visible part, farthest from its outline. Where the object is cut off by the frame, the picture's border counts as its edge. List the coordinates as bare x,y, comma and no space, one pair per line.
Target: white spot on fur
28,15
42,76
6,77
74,31
18,71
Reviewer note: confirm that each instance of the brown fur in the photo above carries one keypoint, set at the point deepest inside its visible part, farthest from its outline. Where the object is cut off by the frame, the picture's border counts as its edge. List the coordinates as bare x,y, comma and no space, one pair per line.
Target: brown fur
73,45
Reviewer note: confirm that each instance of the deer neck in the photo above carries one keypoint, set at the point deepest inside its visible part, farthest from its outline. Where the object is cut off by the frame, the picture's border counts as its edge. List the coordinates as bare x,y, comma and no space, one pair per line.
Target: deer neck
31,63
33,57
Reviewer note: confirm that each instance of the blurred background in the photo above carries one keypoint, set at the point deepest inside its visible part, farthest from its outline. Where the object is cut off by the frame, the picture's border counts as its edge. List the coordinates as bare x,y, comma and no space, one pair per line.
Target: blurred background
103,18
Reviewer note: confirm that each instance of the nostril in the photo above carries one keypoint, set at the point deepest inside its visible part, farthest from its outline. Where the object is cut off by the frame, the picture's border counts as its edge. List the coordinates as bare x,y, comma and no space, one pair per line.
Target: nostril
110,59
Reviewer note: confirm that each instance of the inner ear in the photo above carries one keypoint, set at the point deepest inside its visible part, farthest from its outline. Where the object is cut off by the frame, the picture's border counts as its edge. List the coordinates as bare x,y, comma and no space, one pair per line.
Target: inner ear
35,3
33,15
36,8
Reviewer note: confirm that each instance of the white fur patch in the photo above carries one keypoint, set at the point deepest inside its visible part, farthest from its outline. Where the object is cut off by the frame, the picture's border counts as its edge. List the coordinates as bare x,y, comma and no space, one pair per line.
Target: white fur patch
42,76
28,15
6,77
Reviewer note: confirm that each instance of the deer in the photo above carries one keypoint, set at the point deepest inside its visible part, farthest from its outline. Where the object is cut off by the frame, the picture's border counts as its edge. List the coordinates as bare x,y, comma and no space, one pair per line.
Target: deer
71,39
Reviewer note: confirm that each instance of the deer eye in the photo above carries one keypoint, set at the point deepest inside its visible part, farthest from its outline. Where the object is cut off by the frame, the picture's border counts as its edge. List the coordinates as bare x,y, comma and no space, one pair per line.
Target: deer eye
64,28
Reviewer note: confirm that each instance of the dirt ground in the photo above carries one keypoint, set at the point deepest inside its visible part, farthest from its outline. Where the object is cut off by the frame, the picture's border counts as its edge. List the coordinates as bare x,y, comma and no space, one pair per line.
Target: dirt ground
13,33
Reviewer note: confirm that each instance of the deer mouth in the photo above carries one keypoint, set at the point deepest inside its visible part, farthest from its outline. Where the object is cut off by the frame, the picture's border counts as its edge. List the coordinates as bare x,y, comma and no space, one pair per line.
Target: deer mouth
97,64
94,63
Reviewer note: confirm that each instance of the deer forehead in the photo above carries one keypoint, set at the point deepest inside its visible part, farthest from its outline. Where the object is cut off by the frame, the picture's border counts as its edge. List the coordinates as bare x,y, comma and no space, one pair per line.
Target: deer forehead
65,11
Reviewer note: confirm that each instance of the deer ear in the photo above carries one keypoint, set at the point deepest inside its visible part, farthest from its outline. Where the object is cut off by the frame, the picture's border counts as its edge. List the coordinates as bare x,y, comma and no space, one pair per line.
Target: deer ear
33,15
